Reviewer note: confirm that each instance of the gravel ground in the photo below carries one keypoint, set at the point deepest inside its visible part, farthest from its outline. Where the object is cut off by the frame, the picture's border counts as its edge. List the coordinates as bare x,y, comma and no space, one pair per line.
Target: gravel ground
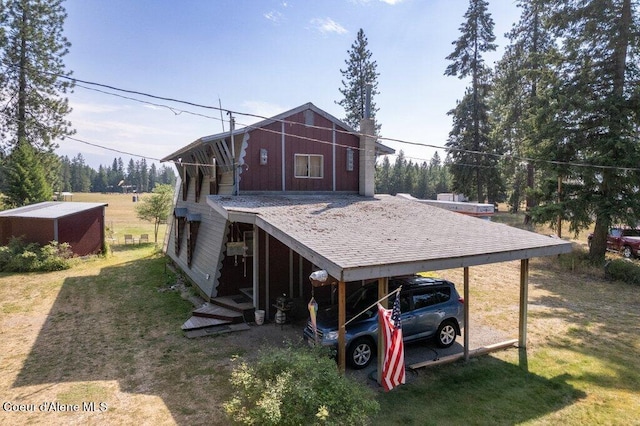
280,335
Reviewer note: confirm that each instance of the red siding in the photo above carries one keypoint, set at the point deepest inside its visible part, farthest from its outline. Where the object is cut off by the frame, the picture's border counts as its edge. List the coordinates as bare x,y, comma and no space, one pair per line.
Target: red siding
84,231
299,139
33,230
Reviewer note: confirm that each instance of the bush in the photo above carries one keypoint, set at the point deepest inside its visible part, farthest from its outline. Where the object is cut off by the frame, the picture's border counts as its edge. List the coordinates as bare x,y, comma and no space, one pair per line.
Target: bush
295,386
19,256
623,270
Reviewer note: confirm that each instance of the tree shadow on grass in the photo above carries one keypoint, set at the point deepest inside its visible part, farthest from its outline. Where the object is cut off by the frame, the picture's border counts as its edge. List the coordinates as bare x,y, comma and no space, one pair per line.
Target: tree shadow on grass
603,323
117,325
484,391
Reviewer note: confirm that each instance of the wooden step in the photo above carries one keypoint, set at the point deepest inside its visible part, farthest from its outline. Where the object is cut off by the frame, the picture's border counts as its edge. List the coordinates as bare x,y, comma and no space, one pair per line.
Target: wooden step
209,310
238,303
215,330
196,322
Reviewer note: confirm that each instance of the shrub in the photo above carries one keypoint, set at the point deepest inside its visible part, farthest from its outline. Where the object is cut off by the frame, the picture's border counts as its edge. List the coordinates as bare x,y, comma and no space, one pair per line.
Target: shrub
19,256
623,270
295,386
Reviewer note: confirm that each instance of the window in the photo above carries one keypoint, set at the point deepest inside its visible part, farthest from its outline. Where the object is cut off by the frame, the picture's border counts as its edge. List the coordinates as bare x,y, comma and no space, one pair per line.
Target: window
309,166
431,296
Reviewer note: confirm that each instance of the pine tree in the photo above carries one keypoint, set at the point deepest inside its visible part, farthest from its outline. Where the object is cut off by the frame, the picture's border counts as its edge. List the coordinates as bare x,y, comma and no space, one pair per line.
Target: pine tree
24,178
361,70
153,176
33,86
383,176
516,92
595,106
471,133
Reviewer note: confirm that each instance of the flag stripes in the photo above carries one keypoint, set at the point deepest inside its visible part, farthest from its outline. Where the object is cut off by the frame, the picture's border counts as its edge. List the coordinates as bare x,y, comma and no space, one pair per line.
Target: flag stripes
393,371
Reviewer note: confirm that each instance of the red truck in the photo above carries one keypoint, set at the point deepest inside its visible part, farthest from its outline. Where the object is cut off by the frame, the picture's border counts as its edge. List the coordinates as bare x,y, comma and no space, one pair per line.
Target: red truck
623,240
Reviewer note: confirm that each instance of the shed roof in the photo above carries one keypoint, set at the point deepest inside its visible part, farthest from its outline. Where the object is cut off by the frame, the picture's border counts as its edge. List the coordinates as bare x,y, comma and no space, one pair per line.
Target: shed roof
354,237
50,209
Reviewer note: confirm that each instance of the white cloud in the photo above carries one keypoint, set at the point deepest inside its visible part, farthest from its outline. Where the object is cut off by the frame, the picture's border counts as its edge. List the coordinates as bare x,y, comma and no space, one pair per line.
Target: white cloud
274,16
328,25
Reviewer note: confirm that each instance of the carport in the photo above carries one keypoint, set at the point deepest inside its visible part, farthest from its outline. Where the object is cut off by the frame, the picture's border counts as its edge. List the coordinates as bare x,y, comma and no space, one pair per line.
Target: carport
357,238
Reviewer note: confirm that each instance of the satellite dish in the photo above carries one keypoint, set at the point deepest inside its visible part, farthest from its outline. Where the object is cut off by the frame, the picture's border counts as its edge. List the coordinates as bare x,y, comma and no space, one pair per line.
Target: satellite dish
121,182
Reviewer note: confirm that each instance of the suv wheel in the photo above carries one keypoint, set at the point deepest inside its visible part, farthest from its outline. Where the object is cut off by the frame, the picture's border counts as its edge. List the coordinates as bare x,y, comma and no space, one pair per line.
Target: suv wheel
446,334
360,353
626,252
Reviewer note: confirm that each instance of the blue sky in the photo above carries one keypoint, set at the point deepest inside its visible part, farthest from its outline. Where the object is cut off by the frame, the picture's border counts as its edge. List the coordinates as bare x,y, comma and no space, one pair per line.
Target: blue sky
259,57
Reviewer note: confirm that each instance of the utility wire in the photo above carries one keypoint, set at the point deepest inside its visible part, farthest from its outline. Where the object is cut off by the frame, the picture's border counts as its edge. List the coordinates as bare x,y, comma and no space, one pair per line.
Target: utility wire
401,141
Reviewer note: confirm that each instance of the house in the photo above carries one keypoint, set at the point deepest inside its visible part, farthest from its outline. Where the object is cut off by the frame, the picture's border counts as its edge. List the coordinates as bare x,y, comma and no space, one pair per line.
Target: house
79,224
302,151
260,208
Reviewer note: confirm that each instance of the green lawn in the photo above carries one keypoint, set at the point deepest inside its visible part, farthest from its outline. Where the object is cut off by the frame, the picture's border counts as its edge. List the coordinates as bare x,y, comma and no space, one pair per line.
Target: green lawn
108,331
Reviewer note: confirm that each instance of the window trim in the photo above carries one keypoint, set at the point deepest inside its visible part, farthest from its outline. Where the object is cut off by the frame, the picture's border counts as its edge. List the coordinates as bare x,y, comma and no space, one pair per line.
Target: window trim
308,175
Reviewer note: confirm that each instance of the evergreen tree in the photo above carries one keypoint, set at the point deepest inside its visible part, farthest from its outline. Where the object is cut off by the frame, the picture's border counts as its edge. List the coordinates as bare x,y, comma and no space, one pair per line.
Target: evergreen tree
515,96
382,176
80,175
471,131
595,105
132,174
24,178
64,180
361,70
33,88
100,181
143,176
396,181
167,176
424,182
153,176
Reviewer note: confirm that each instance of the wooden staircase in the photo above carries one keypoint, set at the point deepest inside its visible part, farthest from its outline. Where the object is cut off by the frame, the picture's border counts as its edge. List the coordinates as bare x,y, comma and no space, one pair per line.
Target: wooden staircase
220,315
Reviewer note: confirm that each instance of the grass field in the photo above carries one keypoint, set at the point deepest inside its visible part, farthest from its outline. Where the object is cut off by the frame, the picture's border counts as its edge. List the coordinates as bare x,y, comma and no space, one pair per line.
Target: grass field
120,216
108,331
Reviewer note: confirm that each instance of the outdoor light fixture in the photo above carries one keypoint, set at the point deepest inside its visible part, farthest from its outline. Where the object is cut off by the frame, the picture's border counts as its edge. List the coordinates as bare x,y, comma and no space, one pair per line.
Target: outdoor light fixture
349,159
319,278
263,156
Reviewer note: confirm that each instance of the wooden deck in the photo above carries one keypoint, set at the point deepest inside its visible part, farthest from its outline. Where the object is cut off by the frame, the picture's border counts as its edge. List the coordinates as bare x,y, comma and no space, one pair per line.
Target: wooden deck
221,314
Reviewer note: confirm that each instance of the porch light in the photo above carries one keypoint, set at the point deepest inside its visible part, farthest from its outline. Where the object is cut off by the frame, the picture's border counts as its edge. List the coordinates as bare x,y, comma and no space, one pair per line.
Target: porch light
319,278
263,156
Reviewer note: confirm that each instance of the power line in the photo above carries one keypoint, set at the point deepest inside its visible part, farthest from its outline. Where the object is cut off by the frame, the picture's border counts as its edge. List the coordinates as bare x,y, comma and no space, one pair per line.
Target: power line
211,107
396,140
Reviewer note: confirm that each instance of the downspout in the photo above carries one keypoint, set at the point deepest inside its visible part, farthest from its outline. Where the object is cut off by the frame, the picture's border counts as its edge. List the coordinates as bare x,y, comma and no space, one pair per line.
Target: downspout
284,170
333,152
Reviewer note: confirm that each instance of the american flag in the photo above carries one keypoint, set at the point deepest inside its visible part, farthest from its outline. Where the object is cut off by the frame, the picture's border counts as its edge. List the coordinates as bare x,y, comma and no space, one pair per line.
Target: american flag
393,366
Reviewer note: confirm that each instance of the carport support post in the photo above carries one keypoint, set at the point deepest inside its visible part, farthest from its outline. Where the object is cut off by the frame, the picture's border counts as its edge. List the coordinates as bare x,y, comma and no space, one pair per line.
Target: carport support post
524,294
342,318
383,290
466,313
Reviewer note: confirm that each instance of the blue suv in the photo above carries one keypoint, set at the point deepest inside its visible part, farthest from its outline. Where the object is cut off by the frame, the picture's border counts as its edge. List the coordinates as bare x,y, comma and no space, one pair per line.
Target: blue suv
430,308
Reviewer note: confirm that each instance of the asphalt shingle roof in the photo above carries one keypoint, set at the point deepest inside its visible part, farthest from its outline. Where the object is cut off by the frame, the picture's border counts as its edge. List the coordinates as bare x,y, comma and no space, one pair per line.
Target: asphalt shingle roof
355,237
